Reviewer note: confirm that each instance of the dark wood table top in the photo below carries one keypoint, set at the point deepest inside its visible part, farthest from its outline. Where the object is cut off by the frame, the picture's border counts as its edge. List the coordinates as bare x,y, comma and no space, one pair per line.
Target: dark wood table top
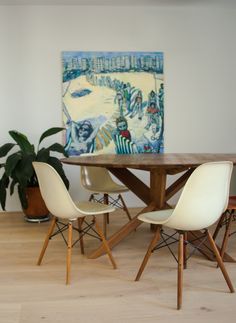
148,161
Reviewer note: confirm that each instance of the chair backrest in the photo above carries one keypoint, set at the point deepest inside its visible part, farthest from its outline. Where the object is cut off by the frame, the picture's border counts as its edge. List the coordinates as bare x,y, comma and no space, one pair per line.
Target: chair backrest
95,179
54,192
204,197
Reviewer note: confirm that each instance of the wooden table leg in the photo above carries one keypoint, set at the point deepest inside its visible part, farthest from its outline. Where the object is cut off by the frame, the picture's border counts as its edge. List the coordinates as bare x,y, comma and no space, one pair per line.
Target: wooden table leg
157,190
155,194
140,189
121,234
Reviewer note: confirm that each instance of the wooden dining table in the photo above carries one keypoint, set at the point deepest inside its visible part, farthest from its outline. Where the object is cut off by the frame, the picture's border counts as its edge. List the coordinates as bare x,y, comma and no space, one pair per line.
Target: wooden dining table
155,195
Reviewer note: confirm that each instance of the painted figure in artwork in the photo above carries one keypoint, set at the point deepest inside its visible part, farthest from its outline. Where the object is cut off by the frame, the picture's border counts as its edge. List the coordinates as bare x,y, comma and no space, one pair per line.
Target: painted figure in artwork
153,138
153,115
127,97
81,137
122,138
122,128
161,98
119,99
152,98
137,108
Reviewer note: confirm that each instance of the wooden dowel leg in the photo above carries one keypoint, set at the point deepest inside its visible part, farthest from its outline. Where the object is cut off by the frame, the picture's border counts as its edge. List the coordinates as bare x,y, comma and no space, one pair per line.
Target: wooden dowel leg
180,271
226,235
106,246
106,201
185,249
152,244
105,216
219,225
68,258
50,231
81,241
105,225
220,262
125,207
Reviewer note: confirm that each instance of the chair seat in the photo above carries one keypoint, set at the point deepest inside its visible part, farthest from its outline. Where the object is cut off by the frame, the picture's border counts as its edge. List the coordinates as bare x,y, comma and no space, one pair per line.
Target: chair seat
108,188
90,208
156,217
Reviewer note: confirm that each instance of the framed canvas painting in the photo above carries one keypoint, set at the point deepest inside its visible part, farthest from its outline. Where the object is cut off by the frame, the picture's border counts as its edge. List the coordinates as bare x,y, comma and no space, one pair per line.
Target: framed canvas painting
113,102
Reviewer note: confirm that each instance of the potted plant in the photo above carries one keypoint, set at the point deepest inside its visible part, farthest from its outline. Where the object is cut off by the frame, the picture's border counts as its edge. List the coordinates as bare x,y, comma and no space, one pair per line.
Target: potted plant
19,173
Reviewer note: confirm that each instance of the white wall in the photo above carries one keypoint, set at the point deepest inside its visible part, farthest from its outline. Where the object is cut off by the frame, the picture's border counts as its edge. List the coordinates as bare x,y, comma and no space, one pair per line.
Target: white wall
200,68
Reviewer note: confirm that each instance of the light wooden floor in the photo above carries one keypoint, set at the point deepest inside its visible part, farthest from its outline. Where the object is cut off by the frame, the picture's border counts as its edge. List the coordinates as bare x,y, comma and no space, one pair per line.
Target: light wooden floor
32,294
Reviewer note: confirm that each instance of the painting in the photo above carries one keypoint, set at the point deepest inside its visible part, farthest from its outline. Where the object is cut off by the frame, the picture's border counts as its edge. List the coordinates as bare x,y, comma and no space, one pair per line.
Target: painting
113,102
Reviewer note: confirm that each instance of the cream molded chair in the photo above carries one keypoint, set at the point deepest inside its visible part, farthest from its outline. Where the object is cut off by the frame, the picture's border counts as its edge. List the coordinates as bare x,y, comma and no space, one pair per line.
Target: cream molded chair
99,181
203,200
61,206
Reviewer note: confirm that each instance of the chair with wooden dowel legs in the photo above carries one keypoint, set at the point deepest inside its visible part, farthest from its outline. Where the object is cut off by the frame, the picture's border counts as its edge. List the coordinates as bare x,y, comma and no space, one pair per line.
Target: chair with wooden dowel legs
99,182
65,213
201,204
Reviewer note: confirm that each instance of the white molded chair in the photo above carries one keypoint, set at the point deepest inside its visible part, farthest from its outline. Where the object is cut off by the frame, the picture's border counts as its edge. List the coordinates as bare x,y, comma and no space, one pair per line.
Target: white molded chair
62,207
203,200
99,181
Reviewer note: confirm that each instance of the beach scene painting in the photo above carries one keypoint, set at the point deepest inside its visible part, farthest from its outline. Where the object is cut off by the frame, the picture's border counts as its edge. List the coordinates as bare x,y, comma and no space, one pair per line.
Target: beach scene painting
113,102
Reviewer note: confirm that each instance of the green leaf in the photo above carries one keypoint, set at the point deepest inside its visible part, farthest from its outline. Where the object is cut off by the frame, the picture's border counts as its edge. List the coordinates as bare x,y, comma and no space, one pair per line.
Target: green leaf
3,196
12,186
50,132
55,162
4,182
4,150
43,155
24,171
58,148
22,196
11,163
22,141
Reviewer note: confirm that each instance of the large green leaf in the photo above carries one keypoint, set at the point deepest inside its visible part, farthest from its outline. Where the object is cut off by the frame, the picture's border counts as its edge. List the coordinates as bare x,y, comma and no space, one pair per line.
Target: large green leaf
22,141
43,155
4,150
12,162
22,196
4,182
55,162
50,132
58,148
24,170
12,186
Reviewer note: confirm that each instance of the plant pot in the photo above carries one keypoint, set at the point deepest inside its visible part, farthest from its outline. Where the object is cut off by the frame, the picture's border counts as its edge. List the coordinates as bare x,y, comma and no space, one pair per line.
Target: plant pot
36,210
